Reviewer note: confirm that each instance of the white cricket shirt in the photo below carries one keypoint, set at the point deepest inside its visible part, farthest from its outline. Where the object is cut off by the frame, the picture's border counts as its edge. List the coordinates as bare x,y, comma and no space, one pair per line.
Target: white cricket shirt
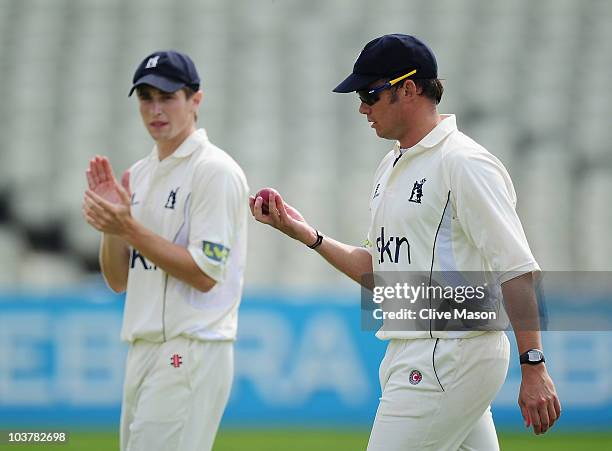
446,205
196,198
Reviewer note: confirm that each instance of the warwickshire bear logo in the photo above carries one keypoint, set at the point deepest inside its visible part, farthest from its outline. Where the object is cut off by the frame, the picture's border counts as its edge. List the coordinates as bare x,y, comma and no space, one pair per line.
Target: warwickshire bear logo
417,192
171,202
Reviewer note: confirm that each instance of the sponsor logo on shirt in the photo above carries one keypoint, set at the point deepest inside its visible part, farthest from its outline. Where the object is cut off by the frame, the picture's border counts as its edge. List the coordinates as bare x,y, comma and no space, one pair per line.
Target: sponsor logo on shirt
146,265
391,247
417,192
215,251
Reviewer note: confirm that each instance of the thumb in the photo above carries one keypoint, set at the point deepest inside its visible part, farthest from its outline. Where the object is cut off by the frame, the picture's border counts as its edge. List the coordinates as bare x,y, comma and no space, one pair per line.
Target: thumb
124,193
125,181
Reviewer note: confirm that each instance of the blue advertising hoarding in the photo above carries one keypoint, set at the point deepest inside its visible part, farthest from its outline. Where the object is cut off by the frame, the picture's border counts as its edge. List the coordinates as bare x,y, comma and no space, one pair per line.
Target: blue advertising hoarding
298,362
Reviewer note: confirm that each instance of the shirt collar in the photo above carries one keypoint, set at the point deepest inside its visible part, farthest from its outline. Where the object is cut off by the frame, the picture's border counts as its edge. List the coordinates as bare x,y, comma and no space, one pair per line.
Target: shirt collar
447,125
187,147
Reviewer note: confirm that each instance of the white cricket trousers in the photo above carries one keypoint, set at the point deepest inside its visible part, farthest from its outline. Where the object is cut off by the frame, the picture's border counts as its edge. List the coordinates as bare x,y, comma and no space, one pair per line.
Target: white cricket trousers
436,394
174,394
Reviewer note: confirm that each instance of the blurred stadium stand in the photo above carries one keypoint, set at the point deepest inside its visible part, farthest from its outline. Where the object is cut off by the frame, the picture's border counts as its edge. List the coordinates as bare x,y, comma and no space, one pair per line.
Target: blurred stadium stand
529,80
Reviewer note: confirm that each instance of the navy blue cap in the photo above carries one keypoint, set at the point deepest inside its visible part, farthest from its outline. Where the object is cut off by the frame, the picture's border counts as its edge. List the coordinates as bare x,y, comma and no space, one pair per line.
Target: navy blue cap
389,56
166,70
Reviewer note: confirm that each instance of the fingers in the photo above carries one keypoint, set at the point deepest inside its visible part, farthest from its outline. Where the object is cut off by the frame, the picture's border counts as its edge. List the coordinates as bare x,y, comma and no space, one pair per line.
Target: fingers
525,414
90,216
534,416
553,408
107,169
557,406
279,206
93,171
544,418
90,179
266,214
256,210
94,208
99,170
273,206
98,201
103,215
552,414
542,415
91,220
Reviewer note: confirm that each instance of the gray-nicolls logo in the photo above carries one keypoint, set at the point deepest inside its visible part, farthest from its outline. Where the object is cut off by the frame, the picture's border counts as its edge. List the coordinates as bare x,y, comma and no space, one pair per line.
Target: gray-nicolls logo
152,62
417,192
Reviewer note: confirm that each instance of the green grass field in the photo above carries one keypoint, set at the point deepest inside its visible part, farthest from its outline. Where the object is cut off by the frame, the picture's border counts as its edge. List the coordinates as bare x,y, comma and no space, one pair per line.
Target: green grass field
323,440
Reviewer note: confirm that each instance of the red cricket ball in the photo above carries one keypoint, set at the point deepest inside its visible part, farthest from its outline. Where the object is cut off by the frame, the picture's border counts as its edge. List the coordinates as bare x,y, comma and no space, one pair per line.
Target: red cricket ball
264,193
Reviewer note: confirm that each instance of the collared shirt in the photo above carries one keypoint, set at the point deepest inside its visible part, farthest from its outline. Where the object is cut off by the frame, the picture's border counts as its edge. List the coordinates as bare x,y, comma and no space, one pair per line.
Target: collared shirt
446,205
197,199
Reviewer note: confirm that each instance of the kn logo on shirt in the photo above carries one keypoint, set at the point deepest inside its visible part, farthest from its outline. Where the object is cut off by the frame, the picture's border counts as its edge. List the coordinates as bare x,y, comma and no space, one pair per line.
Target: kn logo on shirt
137,256
391,247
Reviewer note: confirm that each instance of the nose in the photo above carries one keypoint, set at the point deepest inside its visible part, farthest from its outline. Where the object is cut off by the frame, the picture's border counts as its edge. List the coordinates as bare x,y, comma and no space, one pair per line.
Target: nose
156,107
364,108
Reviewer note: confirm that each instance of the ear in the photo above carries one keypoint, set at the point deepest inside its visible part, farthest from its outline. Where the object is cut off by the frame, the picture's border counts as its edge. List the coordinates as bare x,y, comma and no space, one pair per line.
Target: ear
197,98
409,89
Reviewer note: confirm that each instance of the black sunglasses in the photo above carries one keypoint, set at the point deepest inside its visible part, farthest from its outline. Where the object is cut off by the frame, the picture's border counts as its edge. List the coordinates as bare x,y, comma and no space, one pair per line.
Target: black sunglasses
371,96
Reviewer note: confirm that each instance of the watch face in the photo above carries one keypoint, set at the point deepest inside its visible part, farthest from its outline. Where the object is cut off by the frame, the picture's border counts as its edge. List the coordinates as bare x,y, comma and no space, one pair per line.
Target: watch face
534,356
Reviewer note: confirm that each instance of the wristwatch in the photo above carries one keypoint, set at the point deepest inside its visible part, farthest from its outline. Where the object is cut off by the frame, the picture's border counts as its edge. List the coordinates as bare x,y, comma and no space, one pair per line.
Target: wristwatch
532,357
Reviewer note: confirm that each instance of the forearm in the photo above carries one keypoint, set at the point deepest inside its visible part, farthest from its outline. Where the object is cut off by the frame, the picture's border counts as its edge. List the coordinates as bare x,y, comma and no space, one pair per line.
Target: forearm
353,261
172,258
521,305
114,259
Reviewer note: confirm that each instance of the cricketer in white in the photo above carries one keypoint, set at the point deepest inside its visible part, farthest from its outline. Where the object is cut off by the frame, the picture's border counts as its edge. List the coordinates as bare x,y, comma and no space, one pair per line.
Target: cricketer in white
174,236
439,202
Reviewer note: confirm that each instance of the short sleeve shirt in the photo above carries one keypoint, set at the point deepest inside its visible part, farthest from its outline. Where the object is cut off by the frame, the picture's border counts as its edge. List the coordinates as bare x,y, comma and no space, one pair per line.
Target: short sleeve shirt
446,204
196,198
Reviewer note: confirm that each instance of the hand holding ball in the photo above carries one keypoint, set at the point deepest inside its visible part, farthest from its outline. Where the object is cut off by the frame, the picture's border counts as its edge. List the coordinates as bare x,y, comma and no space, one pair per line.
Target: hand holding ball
264,193
285,218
